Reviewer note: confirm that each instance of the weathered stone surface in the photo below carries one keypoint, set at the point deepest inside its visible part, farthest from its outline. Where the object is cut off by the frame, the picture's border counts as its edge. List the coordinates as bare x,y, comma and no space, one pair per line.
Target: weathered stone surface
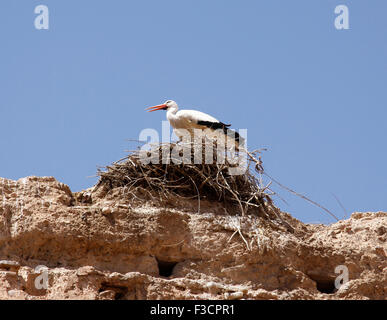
117,246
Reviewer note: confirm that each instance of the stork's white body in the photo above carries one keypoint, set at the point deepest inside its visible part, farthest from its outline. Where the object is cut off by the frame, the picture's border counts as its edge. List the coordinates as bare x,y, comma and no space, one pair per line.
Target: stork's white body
190,120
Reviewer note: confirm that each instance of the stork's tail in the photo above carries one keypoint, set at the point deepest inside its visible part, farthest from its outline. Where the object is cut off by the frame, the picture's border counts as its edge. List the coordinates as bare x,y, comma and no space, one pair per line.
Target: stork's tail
234,135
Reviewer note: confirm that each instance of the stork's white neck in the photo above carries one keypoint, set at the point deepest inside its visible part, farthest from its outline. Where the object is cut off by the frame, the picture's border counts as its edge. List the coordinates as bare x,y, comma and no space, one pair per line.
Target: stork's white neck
171,113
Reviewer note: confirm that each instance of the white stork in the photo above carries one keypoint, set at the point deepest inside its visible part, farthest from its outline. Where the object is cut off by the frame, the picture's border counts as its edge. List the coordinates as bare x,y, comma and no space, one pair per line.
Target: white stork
193,119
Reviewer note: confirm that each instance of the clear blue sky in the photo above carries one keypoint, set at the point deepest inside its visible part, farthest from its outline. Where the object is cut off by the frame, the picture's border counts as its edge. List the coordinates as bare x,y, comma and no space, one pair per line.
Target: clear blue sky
314,96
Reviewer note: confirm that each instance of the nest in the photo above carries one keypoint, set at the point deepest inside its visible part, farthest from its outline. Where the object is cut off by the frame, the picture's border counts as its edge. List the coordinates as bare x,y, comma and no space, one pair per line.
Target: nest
167,174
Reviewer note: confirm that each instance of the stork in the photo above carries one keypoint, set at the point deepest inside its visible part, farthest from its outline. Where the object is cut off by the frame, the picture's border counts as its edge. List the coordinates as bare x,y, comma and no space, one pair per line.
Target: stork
193,119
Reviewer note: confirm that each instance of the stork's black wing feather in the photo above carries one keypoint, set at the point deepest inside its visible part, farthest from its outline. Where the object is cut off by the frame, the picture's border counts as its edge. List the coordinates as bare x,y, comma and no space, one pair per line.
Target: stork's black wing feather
221,125
213,125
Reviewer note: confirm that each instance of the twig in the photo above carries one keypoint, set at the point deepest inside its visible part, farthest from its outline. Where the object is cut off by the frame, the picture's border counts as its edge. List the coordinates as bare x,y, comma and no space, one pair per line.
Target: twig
341,205
301,196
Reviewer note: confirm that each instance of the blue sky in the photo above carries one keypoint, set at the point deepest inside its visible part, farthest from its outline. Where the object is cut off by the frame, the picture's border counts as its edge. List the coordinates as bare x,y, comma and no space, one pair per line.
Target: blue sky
73,95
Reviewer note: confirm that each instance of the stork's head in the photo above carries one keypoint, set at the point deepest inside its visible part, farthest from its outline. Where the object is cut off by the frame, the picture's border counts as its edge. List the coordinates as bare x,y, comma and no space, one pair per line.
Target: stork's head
169,104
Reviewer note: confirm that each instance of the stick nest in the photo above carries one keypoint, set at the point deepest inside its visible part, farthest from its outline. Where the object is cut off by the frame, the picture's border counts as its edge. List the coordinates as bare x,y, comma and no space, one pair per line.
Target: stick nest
244,193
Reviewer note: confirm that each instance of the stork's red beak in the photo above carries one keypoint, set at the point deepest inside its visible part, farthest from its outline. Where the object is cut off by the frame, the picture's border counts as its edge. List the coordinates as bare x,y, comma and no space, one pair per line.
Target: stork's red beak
155,108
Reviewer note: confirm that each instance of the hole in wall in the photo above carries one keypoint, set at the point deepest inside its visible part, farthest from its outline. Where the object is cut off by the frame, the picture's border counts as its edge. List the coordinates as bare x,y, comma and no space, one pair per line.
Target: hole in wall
324,284
119,291
165,267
